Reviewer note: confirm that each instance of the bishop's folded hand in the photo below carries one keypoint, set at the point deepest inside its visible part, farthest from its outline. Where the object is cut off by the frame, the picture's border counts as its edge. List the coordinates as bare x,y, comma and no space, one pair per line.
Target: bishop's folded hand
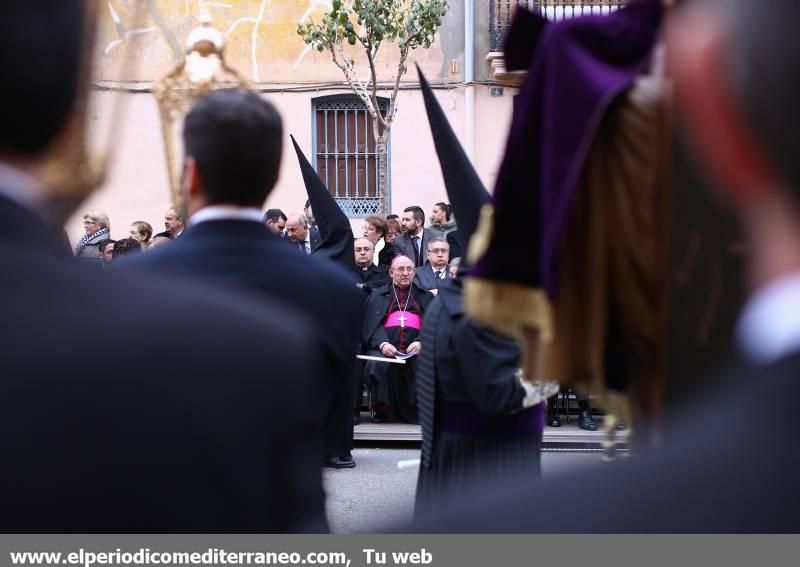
388,350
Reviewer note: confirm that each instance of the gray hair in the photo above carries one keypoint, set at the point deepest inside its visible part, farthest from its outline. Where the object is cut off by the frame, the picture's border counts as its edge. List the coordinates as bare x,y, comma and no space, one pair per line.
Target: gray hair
301,218
100,218
436,239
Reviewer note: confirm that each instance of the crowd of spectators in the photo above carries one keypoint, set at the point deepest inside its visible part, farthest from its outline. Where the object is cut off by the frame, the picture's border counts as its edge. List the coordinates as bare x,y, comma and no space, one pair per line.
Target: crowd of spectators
298,229
378,243
97,246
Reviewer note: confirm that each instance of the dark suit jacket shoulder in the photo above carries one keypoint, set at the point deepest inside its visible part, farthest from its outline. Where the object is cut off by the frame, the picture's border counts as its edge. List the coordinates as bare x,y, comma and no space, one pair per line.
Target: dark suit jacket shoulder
314,237
426,279
247,255
371,278
129,396
403,244
323,290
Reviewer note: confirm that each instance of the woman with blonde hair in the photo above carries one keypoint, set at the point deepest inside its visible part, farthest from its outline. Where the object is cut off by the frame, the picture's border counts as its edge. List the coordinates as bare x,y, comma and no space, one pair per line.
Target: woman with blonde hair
98,229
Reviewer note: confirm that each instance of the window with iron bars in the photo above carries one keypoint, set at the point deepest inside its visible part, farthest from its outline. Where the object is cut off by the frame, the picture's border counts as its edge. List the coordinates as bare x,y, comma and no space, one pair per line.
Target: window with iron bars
345,153
502,11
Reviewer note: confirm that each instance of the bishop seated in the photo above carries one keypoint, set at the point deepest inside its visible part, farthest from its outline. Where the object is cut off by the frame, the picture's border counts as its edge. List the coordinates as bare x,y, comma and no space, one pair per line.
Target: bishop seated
392,324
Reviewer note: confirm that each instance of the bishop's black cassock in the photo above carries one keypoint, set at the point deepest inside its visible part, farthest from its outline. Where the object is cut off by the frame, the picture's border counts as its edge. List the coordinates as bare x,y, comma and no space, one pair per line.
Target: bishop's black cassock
394,315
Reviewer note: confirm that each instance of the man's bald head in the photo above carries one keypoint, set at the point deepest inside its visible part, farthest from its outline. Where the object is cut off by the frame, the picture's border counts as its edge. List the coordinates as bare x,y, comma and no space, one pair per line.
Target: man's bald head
364,251
402,271
297,227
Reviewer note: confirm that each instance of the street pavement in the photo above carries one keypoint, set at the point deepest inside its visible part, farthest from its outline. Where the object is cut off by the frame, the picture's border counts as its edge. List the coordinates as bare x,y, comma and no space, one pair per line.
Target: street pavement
378,492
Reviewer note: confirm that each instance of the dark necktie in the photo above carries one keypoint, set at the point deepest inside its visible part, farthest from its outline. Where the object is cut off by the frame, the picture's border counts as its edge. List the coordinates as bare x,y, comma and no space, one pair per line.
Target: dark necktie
439,274
415,242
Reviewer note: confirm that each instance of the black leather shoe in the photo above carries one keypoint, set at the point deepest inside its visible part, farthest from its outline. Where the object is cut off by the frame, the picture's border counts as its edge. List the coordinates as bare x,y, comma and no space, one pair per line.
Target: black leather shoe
586,422
553,420
340,462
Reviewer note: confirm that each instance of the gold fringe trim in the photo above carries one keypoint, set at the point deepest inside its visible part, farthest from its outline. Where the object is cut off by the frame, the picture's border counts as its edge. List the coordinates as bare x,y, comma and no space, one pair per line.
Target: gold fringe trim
617,407
509,308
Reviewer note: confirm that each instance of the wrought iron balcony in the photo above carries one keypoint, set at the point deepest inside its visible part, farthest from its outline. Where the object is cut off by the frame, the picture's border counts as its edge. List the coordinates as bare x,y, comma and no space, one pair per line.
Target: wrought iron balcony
501,13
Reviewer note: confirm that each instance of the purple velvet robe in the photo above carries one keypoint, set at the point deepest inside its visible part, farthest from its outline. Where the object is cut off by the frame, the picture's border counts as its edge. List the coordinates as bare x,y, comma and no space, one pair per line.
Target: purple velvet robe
578,68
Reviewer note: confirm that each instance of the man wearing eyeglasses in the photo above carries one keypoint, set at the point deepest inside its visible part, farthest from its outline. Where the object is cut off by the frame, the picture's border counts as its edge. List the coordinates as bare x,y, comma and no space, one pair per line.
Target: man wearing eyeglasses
392,324
369,275
434,271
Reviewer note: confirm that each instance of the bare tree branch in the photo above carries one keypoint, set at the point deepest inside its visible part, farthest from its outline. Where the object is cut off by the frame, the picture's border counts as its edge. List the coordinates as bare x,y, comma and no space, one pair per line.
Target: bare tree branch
396,89
358,86
374,92
412,24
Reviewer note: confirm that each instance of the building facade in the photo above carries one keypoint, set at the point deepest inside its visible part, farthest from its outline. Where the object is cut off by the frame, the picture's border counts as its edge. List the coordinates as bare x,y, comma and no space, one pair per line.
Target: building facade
135,49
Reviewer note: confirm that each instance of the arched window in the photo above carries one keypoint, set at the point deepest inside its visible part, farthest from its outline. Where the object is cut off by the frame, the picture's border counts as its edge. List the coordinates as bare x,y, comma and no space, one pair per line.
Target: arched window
345,154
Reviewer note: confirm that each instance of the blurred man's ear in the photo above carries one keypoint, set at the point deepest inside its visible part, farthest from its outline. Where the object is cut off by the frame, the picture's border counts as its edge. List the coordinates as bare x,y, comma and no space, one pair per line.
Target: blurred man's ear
717,129
191,178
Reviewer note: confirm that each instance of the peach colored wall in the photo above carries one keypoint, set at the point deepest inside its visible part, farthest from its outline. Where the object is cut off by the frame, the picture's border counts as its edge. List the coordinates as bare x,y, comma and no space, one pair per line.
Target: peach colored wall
261,40
137,187
492,121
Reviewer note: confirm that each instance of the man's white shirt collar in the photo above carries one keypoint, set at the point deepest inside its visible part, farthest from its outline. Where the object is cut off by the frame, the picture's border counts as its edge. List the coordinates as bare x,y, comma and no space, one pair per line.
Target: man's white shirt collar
226,212
769,327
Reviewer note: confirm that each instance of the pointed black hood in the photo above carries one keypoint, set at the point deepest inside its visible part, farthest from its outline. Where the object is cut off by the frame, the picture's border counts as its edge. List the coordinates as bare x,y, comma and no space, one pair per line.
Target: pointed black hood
464,188
335,231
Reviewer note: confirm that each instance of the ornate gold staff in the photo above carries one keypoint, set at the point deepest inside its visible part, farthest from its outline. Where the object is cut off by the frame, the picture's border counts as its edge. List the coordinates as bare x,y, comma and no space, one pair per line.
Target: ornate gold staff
203,70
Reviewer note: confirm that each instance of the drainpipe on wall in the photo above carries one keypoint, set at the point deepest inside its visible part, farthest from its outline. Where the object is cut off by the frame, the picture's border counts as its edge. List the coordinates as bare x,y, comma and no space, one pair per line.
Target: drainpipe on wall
469,79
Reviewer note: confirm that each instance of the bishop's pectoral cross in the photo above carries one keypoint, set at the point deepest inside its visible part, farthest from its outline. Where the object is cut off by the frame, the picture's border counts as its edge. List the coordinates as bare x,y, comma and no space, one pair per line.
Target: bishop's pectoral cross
402,320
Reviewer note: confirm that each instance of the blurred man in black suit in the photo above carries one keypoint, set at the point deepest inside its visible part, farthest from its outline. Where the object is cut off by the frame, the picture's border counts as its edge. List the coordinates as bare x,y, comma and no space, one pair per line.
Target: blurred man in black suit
233,145
727,456
130,405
